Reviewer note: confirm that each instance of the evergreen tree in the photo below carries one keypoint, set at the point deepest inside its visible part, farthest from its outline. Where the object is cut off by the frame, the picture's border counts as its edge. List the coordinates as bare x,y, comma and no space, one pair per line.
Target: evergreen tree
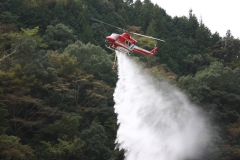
193,24
4,113
203,37
59,12
58,37
46,89
96,139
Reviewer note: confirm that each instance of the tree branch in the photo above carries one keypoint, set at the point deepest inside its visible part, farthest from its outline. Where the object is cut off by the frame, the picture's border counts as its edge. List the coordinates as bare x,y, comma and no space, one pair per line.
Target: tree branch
8,55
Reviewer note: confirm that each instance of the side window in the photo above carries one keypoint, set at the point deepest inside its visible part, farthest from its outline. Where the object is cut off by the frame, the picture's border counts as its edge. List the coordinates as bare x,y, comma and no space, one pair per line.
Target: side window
128,43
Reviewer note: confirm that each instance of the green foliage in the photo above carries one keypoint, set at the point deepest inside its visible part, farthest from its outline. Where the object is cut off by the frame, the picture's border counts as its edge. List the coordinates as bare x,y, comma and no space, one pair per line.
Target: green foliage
24,51
64,147
67,122
99,33
3,114
151,30
194,63
51,98
8,17
146,43
64,64
95,143
232,149
32,33
162,73
16,80
11,148
58,37
212,89
217,78
94,60
216,90
192,25
203,37
3,120
42,68
23,47
214,149
227,49
58,11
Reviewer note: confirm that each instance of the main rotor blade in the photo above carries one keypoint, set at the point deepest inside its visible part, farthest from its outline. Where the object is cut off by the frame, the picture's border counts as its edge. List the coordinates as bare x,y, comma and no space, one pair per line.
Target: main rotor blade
147,36
107,24
127,31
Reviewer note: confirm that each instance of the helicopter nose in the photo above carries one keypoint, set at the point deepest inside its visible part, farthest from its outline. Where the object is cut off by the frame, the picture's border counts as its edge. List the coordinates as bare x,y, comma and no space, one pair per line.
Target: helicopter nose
109,38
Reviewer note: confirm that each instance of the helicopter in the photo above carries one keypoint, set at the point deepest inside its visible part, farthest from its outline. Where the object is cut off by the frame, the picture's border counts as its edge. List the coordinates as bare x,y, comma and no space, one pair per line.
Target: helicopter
125,43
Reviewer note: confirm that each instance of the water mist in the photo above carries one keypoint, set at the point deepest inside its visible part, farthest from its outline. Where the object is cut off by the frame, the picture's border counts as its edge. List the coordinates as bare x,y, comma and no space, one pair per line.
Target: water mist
157,121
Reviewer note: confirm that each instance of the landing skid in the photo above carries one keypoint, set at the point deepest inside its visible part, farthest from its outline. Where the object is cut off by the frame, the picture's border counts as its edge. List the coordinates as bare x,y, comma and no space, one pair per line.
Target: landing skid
123,50
110,48
120,49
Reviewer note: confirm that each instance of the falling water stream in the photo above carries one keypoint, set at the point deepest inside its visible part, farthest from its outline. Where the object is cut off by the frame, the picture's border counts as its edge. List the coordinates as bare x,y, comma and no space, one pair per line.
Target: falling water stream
157,121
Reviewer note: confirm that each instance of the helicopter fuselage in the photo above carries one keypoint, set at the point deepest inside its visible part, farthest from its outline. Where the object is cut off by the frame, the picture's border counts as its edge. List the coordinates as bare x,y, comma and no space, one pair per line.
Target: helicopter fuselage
125,43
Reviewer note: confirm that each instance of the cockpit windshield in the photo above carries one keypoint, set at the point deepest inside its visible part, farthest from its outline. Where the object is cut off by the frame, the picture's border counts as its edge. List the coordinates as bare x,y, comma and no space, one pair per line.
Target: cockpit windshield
115,35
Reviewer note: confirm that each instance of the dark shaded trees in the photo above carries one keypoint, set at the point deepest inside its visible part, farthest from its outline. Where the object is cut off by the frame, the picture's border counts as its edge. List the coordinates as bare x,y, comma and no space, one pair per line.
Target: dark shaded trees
227,49
220,98
96,143
58,100
59,37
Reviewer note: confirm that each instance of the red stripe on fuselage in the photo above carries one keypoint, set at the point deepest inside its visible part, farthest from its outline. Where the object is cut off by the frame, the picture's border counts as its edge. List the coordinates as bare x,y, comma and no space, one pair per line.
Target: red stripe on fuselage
141,50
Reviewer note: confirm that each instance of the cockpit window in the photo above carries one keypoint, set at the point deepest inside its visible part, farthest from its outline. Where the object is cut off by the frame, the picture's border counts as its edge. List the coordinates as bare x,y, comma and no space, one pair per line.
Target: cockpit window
128,43
114,35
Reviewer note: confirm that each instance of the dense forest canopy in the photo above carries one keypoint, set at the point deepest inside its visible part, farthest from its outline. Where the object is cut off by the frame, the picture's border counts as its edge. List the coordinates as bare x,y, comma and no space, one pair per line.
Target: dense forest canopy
56,83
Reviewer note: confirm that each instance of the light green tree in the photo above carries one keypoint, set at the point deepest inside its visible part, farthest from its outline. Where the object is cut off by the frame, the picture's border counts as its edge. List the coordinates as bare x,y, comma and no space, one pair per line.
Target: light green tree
64,64
93,60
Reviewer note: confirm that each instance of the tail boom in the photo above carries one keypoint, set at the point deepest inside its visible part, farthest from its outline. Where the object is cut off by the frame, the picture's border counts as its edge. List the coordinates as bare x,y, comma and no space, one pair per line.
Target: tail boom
154,50
144,51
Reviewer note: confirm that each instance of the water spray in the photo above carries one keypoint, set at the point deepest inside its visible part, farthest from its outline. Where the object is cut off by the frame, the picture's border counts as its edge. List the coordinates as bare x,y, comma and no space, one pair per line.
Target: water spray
157,121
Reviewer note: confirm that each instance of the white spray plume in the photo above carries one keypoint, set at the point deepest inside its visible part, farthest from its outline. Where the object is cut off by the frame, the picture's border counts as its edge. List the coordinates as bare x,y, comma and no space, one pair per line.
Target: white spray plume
157,122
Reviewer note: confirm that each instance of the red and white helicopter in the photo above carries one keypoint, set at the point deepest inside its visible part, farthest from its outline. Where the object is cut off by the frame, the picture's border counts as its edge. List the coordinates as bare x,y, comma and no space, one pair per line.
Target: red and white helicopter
125,43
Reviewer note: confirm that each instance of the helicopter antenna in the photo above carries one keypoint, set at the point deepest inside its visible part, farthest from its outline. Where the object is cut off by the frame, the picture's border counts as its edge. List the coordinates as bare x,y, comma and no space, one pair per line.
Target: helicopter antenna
128,31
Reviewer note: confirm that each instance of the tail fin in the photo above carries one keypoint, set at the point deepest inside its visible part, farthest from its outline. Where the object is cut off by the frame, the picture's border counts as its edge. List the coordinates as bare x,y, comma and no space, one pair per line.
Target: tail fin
154,50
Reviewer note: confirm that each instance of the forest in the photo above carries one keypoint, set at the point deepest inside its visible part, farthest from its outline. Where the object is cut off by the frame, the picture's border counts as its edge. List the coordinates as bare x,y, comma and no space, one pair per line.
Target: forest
56,82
